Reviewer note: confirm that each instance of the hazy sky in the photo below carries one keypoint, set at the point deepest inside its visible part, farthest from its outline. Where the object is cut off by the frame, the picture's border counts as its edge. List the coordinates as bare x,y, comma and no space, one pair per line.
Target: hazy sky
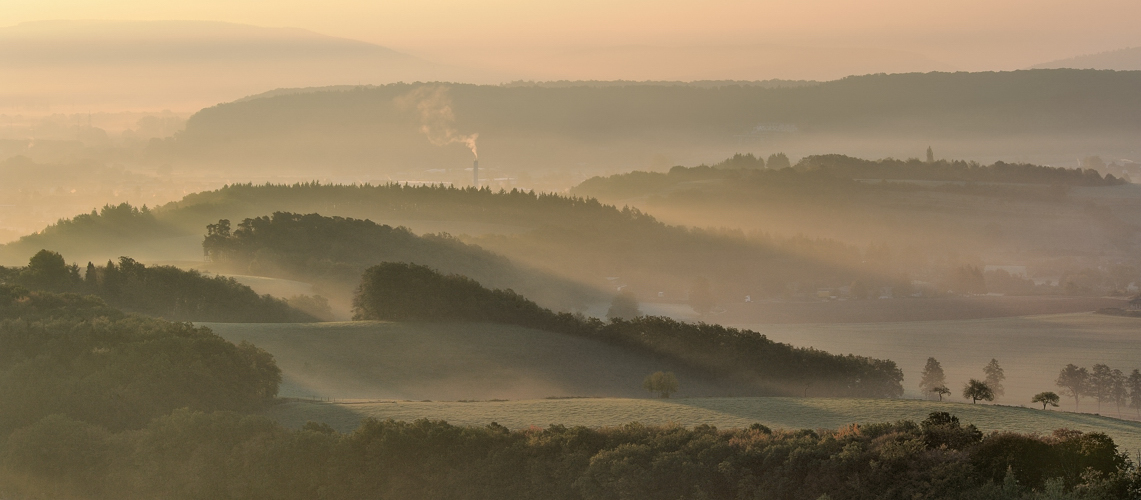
964,34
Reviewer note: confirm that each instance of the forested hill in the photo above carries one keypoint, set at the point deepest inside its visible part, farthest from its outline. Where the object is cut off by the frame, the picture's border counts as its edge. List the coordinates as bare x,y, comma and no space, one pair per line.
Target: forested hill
161,291
529,127
577,239
402,292
836,172
121,229
334,251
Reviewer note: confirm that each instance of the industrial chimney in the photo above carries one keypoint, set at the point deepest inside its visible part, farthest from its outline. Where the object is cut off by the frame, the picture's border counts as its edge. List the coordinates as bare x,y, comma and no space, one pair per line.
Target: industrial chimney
475,173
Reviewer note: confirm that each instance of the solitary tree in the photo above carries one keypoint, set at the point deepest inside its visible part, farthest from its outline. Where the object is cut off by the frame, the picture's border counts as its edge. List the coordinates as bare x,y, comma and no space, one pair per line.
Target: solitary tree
932,377
663,383
624,306
976,390
1134,384
1073,381
941,391
1046,398
930,155
994,377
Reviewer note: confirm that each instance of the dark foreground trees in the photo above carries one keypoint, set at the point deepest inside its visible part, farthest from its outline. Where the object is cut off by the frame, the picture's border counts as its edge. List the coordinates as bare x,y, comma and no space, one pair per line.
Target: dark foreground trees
74,356
409,292
192,455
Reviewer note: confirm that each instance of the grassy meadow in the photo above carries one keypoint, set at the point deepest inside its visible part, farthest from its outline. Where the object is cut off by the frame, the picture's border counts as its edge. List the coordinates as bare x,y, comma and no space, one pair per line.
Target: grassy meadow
451,361
407,371
777,413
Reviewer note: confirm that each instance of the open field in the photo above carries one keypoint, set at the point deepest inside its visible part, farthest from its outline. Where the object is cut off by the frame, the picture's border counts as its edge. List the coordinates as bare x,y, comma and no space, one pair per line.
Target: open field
1031,349
369,359
379,360
784,413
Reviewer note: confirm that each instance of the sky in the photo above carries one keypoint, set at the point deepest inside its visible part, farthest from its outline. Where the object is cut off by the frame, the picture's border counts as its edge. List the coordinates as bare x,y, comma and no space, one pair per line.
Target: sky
512,34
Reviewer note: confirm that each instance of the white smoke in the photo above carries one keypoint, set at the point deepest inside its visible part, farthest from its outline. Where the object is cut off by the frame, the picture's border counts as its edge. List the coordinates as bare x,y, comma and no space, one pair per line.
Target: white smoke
437,121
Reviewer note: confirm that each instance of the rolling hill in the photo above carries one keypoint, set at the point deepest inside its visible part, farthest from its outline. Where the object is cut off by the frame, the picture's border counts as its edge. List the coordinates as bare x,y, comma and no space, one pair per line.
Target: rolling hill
382,360
185,65
528,133
1127,59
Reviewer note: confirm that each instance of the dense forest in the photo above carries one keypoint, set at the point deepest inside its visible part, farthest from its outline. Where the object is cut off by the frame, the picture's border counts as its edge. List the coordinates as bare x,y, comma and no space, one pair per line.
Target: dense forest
161,291
525,127
403,292
76,358
192,455
334,251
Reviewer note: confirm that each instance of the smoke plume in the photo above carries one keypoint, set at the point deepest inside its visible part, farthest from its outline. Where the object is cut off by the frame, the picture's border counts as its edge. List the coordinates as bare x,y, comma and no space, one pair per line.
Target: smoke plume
437,121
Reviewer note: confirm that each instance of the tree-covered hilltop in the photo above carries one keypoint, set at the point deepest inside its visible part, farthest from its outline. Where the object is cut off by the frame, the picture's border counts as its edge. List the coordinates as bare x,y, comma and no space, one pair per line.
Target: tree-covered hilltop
161,291
574,238
75,357
334,251
404,292
192,455
926,220
847,167
821,176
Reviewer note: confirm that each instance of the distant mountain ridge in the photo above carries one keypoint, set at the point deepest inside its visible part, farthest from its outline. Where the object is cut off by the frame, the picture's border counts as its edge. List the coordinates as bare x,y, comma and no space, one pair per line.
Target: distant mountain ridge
1055,115
1127,59
186,64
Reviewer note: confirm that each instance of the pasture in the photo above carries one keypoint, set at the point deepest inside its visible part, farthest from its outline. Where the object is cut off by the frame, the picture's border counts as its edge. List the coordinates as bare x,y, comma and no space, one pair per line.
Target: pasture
384,360
777,413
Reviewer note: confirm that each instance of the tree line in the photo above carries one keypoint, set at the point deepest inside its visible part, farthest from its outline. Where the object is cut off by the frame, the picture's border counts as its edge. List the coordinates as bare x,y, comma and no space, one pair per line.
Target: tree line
161,291
222,455
1102,383
411,292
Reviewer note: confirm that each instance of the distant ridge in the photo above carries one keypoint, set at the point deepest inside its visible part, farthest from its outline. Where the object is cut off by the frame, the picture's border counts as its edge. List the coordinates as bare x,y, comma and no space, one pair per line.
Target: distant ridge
1127,59
186,65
